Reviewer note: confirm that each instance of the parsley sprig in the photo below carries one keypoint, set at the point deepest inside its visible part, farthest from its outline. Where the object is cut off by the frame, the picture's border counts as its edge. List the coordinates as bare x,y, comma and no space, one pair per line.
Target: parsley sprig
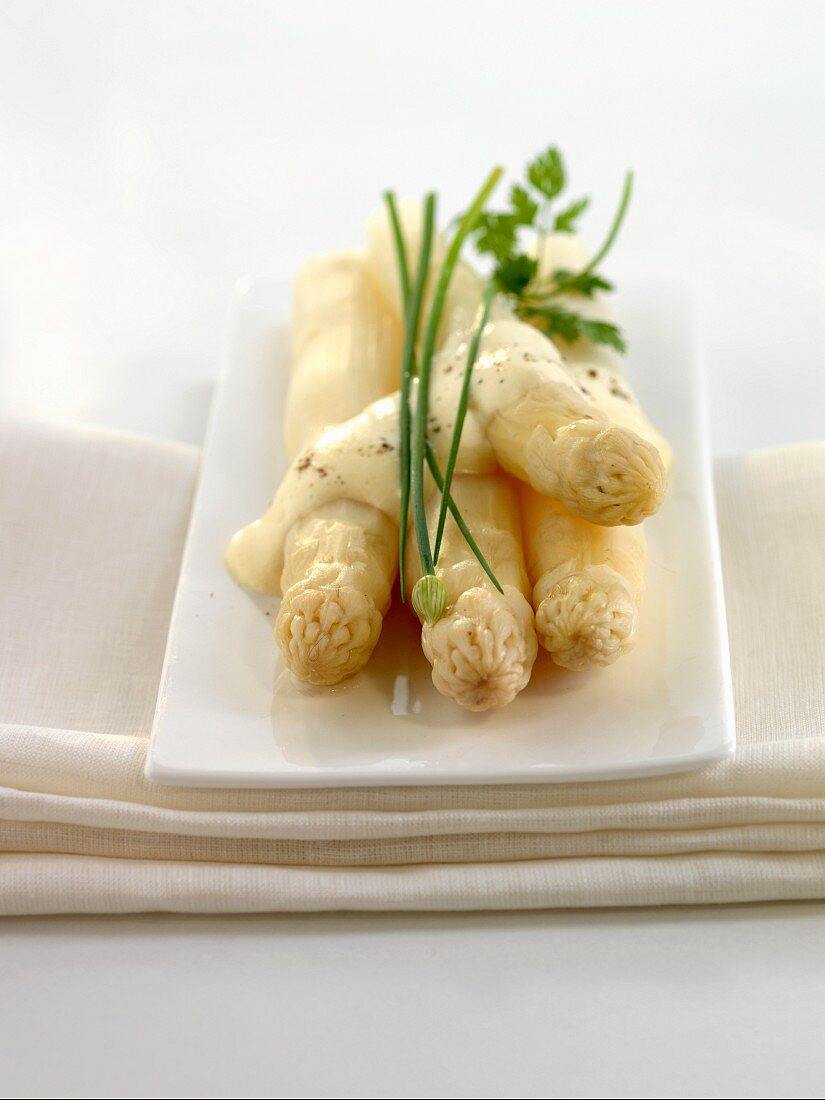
532,213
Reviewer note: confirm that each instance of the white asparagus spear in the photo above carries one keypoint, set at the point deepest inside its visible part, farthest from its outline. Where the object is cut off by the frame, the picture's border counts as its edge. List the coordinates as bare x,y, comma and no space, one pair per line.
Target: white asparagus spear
589,583
329,542
337,559
533,418
346,346
339,567
483,648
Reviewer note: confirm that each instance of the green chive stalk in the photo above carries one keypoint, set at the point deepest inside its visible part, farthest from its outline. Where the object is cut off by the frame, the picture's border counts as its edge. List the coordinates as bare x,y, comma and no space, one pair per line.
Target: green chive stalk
613,233
400,250
412,315
419,434
461,412
432,462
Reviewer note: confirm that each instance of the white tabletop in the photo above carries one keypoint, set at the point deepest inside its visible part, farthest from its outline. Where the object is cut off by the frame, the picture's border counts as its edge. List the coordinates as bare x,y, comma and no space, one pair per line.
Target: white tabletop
152,154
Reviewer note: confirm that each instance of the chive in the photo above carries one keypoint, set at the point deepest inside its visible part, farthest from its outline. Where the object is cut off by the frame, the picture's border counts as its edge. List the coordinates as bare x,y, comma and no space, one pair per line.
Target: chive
432,462
400,249
419,435
461,411
615,227
411,318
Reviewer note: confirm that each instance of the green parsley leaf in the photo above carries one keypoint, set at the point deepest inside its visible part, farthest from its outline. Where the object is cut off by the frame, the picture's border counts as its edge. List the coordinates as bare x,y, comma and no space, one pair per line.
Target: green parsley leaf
515,272
552,320
585,283
564,323
566,219
524,208
602,332
546,173
496,235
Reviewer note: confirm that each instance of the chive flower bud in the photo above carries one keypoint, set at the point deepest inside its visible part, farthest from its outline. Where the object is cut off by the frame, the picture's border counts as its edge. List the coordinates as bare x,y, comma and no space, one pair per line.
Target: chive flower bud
429,598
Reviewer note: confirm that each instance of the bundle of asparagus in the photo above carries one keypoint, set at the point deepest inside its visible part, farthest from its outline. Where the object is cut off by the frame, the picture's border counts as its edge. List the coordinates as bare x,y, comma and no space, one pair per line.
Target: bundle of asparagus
505,407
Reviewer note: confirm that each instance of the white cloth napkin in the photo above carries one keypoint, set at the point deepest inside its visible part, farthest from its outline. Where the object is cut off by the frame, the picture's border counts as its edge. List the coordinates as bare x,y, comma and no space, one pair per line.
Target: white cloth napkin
91,530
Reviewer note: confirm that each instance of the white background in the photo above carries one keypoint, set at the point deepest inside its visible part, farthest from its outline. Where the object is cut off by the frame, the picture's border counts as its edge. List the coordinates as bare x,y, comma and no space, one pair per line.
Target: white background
150,155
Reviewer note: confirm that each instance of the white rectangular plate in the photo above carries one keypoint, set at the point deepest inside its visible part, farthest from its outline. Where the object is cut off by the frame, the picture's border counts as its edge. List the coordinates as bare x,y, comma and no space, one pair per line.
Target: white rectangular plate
228,714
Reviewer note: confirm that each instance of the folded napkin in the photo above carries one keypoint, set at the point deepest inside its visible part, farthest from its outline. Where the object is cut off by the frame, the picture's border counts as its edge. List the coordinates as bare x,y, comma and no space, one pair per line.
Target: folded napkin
92,529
